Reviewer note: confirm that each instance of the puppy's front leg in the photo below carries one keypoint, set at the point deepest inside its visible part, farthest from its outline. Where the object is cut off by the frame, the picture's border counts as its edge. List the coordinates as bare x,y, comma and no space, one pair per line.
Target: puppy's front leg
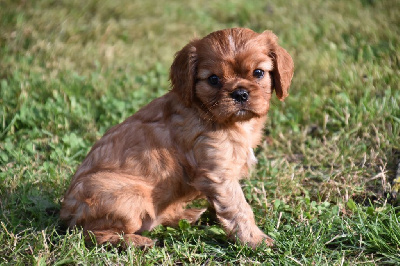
232,210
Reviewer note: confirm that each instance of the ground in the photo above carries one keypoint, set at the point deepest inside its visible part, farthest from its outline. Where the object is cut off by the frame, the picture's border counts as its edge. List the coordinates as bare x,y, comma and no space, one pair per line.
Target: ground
322,189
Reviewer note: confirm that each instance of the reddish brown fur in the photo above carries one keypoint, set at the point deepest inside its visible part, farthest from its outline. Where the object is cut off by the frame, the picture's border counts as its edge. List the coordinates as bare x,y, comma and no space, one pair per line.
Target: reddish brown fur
195,141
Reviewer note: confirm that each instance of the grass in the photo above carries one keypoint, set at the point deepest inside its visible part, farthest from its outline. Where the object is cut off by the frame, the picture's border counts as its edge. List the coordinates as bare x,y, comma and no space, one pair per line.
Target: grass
323,185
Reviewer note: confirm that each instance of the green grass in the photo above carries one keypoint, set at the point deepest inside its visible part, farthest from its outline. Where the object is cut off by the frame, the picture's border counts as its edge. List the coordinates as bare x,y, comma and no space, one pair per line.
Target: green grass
322,188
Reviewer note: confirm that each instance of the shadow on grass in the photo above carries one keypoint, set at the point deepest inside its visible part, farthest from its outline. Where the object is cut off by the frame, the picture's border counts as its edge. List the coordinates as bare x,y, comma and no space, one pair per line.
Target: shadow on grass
30,207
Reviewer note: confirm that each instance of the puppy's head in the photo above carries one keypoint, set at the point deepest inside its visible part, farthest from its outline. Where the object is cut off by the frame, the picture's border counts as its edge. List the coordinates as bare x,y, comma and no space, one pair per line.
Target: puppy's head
230,74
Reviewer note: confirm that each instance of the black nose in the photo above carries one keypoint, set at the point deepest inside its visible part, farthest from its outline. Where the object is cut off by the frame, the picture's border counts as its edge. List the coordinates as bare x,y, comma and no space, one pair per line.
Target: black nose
240,95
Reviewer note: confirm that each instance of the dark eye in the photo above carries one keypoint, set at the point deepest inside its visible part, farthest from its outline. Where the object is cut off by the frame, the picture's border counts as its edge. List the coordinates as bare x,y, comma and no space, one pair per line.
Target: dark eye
258,73
213,80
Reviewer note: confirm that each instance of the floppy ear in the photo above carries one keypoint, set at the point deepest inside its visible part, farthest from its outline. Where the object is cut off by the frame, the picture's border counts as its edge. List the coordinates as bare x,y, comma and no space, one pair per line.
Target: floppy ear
283,66
183,71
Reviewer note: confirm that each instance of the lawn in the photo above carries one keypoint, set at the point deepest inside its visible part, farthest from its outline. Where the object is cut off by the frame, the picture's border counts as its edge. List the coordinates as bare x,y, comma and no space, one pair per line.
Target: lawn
323,187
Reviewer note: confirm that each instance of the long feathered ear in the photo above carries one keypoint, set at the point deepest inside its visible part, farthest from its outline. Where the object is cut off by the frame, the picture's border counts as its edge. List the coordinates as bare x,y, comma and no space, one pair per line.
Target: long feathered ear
183,73
283,66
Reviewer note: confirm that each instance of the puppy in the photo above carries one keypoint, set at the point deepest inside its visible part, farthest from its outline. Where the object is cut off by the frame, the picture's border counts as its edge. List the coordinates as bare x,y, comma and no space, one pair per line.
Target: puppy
195,141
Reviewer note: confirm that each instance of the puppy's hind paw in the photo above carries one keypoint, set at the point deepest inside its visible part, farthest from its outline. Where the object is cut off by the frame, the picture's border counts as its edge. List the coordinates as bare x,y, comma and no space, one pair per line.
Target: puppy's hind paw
137,241
115,239
193,215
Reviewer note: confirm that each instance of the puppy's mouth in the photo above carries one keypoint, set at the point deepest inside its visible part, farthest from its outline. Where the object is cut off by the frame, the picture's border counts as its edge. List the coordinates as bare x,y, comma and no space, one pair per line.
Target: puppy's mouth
244,114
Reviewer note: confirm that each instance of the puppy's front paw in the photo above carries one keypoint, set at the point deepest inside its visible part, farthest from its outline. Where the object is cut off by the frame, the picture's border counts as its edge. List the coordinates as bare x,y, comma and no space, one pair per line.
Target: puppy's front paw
257,237
268,241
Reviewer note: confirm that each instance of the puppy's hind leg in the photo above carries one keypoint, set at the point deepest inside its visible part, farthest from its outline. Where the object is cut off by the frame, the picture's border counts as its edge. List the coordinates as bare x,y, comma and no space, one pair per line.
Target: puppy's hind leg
120,229
110,207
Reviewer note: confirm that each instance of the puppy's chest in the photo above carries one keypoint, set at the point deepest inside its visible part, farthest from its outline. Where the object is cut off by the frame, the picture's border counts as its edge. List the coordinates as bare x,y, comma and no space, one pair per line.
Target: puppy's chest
245,163
251,158
238,155
249,134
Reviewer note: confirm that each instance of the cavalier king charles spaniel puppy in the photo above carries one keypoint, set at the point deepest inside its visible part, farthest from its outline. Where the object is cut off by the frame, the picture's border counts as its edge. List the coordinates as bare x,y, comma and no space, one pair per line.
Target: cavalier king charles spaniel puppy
194,142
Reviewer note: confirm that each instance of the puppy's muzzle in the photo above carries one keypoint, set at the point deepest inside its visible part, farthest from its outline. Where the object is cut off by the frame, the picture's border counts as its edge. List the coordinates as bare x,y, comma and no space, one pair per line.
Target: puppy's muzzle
240,95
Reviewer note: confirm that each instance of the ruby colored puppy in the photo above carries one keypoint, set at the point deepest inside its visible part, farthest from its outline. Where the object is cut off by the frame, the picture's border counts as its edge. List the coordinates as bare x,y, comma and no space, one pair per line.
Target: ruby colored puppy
195,141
